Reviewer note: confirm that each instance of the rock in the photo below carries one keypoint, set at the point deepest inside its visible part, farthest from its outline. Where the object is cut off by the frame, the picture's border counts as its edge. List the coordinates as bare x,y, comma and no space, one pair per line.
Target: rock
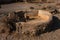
32,27
53,9
38,25
20,15
44,15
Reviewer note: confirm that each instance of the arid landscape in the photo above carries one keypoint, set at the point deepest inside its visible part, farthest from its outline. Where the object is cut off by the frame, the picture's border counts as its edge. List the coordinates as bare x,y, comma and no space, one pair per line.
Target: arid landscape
30,21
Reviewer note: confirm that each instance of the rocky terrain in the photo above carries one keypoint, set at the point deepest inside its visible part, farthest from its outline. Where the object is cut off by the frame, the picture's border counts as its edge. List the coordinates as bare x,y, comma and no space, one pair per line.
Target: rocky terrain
13,28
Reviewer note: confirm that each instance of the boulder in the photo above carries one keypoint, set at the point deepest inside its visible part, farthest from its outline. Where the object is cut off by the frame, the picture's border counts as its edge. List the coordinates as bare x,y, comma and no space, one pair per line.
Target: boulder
38,25
31,27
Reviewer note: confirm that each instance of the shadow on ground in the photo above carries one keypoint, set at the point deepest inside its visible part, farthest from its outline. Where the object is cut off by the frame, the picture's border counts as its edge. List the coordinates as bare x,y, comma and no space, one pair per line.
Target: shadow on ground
53,26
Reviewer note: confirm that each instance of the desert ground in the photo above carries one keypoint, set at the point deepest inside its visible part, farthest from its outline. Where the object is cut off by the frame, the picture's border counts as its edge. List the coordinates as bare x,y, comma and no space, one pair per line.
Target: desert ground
51,33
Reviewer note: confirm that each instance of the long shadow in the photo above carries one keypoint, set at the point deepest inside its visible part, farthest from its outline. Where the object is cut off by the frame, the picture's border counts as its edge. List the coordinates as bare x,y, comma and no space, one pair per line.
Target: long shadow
54,25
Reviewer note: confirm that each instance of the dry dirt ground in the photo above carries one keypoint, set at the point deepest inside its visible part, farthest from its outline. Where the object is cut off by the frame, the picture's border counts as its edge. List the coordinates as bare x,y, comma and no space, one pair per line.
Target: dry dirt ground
52,33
